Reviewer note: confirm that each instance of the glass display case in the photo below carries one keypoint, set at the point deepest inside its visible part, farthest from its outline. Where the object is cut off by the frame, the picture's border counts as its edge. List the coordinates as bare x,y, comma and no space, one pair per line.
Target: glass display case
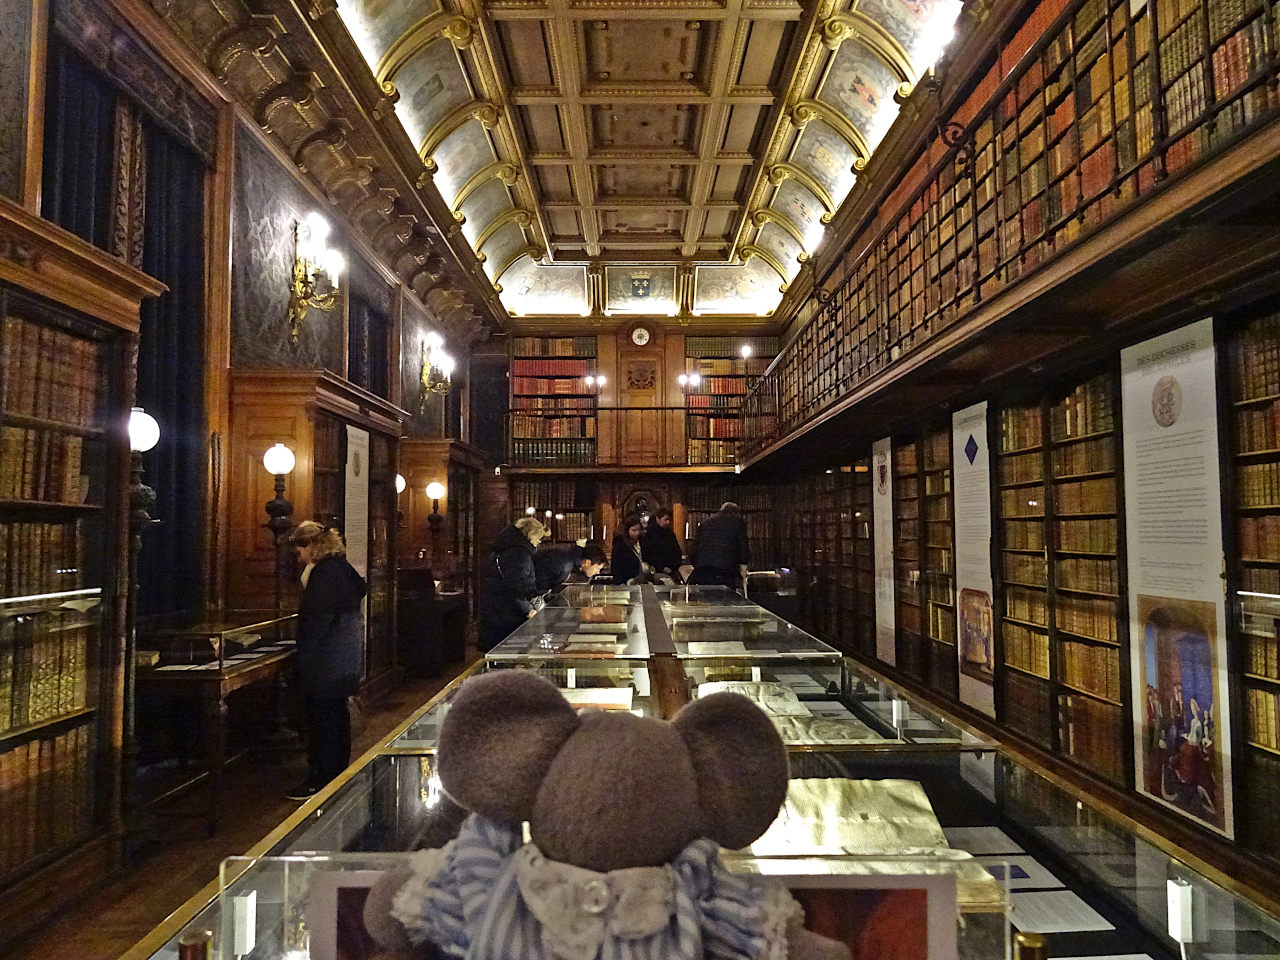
597,630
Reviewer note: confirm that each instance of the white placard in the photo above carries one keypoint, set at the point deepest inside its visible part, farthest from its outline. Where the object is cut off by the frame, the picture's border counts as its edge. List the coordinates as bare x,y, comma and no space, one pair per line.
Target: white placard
1177,602
1054,911
882,535
356,507
971,486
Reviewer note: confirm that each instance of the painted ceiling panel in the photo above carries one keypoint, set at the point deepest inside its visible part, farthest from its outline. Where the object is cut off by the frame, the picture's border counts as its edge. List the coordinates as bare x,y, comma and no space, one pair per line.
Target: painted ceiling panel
563,224
730,179
632,221
431,85
646,51
760,65
501,247
644,126
541,124
549,290
464,152
644,180
904,20
554,183
744,128
376,25
484,206
640,289
782,245
750,288
827,157
524,44
861,86
717,224
798,204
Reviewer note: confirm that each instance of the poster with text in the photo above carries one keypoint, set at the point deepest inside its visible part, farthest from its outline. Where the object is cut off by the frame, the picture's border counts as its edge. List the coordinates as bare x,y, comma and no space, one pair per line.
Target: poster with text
882,534
356,507
1177,606
971,491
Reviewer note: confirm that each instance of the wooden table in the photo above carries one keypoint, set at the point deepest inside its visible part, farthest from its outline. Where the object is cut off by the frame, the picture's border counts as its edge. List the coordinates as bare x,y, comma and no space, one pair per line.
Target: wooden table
211,682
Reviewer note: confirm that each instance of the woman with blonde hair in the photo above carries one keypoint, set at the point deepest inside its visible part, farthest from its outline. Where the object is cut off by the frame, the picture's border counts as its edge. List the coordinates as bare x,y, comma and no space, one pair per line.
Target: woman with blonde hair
508,592
330,650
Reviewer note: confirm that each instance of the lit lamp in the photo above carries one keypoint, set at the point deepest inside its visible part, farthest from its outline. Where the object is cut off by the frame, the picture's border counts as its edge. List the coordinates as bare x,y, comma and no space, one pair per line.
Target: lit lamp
400,485
435,490
316,269
689,380
595,381
144,434
436,371
279,461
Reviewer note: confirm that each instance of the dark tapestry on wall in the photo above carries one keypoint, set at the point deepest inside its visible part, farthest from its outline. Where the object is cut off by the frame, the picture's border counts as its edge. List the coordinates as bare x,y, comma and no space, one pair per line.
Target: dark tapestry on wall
171,375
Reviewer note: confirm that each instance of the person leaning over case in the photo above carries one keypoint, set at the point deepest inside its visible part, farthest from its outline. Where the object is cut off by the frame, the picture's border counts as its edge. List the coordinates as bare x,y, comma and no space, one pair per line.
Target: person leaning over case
660,547
625,564
508,583
721,552
330,650
557,565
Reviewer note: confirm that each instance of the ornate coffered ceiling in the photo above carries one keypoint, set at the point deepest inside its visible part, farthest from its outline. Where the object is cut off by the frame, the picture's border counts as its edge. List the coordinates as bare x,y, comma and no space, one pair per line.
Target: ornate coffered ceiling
656,157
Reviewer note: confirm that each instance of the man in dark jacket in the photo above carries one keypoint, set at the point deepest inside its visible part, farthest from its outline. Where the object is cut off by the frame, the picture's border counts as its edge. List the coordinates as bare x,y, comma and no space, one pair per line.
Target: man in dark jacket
330,651
508,583
660,547
557,565
720,552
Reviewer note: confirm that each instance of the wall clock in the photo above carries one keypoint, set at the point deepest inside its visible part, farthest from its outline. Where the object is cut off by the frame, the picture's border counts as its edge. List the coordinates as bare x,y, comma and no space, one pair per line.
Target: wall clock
640,336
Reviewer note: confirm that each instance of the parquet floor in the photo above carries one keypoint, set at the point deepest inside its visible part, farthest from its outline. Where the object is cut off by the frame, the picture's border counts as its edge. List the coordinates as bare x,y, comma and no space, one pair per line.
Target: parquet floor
182,859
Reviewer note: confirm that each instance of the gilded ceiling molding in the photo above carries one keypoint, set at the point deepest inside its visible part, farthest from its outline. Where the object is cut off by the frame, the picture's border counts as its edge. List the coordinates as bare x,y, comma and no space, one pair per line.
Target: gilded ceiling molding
377,205
482,110
508,173
395,232
532,251
521,218
881,42
359,175
786,169
257,37
807,110
768,215
750,250
299,89
411,42
432,266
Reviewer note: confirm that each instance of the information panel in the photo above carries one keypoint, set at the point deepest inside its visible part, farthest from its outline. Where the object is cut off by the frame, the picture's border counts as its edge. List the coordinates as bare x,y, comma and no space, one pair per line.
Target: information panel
882,533
1177,608
357,499
971,490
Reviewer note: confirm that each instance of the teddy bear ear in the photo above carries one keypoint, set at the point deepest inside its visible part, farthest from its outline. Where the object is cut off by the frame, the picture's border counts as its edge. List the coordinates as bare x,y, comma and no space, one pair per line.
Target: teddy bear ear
500,735
740,764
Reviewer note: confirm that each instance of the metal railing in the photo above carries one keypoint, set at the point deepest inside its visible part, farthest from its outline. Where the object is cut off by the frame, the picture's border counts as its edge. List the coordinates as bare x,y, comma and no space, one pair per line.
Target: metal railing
624,437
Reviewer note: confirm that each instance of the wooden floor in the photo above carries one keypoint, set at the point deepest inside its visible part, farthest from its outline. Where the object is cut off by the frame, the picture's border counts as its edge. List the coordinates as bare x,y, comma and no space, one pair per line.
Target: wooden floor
183,859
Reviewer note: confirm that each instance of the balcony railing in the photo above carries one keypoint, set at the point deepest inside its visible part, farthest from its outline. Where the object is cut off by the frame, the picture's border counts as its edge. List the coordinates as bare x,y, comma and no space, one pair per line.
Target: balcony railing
622,437
1112,98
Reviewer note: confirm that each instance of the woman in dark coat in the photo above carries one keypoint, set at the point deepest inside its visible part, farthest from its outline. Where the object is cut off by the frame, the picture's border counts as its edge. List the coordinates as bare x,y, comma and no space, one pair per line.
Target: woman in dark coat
625,565
508,584
330,651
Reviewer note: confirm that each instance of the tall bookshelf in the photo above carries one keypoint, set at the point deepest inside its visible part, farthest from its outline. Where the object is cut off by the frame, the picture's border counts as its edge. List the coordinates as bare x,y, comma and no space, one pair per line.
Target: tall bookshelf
380,605
756,504
572,504
60,392
712,423
1088,615
845,599
938,565
553,409
1254,378
1023,573
1063,620
912,656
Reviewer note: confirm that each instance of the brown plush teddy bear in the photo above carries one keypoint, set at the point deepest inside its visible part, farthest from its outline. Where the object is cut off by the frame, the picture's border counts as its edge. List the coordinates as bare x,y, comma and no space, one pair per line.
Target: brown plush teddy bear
625,815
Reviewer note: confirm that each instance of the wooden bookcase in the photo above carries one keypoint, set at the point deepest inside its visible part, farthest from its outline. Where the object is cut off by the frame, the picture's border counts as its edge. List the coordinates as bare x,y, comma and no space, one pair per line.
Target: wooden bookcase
712,424
572,504
68,335
756,503
1063,625
938,566
912,648
1253,357
309,411
553,411
864,632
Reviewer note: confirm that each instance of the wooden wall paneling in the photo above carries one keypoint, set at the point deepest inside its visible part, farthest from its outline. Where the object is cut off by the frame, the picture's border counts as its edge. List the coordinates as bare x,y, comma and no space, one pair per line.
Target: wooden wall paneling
670,395
607,424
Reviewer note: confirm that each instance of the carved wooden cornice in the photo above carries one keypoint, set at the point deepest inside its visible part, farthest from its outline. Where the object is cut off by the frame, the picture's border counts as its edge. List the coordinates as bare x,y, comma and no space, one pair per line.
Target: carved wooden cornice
277,60
54,263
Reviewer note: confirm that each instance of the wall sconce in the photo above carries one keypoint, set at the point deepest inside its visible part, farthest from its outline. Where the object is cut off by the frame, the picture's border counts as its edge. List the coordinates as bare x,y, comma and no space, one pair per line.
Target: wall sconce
689,380
316,269
279,461
400,485
435,490
437,367
595,381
